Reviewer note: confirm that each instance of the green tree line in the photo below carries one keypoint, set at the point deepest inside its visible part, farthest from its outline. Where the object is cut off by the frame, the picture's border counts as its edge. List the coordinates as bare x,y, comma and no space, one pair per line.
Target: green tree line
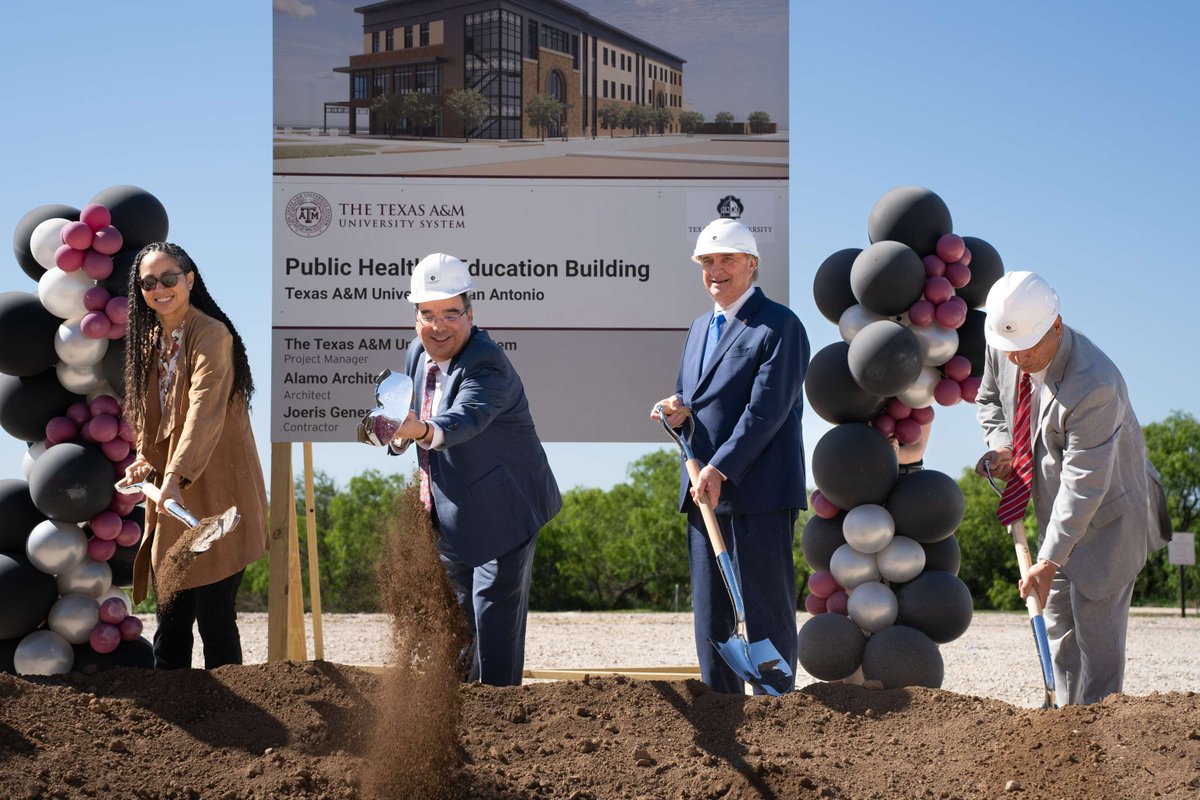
626,547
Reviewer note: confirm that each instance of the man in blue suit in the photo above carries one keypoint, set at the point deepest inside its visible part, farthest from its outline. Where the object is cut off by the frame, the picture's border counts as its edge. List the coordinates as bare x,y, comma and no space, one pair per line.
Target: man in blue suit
484,475
740,381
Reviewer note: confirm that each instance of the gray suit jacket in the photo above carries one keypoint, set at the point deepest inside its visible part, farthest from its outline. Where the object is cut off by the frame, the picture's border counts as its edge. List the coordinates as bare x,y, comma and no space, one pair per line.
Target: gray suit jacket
1097,498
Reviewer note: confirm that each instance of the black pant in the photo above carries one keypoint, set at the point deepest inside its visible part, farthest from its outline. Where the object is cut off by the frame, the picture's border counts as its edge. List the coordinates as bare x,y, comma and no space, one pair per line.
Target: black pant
213,607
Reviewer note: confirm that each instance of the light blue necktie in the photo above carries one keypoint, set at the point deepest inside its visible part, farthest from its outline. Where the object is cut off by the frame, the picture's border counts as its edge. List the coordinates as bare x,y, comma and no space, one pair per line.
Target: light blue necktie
715,326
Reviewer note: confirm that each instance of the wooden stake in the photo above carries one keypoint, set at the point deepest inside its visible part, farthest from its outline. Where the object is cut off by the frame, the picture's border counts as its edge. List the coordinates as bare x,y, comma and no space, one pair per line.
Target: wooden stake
314,572
297,639
281,511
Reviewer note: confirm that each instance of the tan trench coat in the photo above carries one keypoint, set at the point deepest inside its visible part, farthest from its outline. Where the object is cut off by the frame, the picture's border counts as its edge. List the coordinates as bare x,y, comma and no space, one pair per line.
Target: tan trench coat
207,440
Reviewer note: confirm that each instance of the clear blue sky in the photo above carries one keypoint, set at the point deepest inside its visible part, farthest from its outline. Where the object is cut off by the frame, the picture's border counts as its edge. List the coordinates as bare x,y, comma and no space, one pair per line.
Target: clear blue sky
1061,133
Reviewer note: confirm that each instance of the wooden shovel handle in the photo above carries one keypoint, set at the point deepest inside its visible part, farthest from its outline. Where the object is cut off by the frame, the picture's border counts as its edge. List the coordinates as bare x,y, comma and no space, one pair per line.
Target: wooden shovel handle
710,518
1025,563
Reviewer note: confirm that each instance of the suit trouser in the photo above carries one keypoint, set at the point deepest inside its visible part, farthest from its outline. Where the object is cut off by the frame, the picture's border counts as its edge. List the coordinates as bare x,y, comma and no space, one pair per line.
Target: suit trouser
494,598
1087,641
213,607
760,547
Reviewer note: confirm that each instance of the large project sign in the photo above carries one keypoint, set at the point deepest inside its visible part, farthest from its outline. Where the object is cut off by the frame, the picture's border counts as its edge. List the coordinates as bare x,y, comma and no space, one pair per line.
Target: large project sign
587,284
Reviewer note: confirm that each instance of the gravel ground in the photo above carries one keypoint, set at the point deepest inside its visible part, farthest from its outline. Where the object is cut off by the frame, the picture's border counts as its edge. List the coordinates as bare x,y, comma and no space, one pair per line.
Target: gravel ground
995,658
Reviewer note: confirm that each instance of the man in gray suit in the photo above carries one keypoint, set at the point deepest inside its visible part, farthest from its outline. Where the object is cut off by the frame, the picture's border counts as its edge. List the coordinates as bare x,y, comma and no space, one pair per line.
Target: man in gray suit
1099,505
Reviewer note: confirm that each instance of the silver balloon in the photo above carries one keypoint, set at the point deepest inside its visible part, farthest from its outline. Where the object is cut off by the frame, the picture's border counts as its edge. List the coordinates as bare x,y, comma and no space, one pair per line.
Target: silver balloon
868,528
31,456
55,547
81,379
89,577
851,568
61,293
902,560
116,591
854,678
45,239
919,393
43,653
854,319
76,349
73,617
938,344
873,606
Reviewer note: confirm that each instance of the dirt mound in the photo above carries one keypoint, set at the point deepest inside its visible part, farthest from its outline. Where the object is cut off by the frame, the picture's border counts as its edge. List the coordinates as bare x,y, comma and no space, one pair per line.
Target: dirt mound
292,730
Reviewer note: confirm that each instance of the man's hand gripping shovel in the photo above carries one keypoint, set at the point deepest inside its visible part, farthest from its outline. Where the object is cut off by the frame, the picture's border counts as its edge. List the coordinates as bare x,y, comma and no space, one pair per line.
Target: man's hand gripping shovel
758,663
1025,562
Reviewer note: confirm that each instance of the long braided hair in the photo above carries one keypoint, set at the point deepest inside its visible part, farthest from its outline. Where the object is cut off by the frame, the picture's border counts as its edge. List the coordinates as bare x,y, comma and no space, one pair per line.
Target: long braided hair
145,331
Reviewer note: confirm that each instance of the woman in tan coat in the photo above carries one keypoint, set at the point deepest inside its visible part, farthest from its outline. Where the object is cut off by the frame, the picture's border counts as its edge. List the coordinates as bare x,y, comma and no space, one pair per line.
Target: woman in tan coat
187,394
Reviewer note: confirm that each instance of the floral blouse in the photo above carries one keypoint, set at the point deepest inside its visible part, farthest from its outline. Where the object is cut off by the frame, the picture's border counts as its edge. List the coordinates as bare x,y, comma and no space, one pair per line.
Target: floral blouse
168,359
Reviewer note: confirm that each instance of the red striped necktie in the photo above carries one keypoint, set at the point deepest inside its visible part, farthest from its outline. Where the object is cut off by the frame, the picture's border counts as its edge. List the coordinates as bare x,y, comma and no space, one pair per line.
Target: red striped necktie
423,454
1020,482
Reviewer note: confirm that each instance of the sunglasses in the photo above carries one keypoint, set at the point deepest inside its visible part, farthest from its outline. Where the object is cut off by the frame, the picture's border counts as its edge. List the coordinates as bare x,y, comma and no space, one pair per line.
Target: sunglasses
168,279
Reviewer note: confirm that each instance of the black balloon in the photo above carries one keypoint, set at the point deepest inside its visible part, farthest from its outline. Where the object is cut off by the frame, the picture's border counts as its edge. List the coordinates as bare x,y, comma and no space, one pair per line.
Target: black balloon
830,647
121,562
138,653
971,344
27,331
24,231
945,555
28,403
821,537
8,649
887,278
936,603
831,284
927,506
72,482
114,366
28,595
832,391
986,268
137,214
18,515
912,215
885,358
901,656
854,464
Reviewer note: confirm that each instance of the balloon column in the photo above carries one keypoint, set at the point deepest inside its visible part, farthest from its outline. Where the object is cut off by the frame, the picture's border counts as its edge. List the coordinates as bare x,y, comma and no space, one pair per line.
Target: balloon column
885,592
68,539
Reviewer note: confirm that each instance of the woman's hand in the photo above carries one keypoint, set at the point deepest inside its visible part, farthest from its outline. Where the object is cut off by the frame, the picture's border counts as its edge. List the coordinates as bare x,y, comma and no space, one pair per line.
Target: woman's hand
170,489
138,470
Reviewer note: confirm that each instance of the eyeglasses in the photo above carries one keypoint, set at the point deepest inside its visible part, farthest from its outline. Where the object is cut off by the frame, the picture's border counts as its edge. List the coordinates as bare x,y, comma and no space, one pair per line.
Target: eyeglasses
426,318
169,279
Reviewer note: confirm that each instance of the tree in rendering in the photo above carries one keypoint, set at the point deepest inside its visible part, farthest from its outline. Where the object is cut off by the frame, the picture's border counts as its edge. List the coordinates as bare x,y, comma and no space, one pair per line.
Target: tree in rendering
760,122
469,107
690,122
724,121
543,111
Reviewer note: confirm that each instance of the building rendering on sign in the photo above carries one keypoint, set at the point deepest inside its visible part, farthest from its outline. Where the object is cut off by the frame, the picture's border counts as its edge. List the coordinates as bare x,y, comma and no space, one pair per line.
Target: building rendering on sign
509,51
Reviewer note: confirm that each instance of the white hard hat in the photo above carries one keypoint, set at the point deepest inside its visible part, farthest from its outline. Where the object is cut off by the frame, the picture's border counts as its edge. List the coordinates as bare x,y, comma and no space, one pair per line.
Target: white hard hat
724,236
439,277
1021,307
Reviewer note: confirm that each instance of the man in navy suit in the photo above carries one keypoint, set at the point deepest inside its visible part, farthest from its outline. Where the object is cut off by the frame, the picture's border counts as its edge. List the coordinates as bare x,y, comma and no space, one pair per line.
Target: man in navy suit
484,474
740,381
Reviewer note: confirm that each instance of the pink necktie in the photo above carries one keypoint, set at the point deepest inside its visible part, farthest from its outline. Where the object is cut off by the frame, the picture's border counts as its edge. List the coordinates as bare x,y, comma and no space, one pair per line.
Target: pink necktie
423,454
1020,483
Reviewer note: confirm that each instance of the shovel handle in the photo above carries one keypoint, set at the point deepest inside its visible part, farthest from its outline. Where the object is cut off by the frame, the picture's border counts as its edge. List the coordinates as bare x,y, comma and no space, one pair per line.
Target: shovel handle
154,495
710,518
1034,606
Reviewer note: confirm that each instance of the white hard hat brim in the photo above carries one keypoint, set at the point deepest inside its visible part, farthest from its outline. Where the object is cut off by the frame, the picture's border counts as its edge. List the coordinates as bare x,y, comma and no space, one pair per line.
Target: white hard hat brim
709,251
429,297
1010,344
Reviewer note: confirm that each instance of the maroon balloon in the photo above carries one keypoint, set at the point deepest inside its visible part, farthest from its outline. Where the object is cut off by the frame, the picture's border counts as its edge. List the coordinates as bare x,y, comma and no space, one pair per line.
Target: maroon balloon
952,313
101,549
970,388
105,404
947,392
67,258
95,325
959,274
822,583
96,298
113,611
121,505
922,313
125,431
105,638
77,235
130,533
813,604
934,266
950,247
885,424
957,368
837,603
130,628
117,331
61,429
101,428
822,506
938,290
115,449
897,409
966,257
97,265
108,241
118,310
908,431
95,216
123,464
106,525
923,415
79,412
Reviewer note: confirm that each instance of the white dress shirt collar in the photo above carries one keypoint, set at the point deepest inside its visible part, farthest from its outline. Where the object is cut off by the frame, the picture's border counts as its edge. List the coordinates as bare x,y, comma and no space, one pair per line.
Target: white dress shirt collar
735,306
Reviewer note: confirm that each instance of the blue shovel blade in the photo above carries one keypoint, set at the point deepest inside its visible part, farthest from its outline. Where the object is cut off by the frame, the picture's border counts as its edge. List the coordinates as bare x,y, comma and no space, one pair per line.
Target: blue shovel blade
758,663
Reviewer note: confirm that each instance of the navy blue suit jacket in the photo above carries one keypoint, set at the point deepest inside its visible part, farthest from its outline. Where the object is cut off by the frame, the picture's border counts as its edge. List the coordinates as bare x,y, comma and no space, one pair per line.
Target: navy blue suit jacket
491,483
747,407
